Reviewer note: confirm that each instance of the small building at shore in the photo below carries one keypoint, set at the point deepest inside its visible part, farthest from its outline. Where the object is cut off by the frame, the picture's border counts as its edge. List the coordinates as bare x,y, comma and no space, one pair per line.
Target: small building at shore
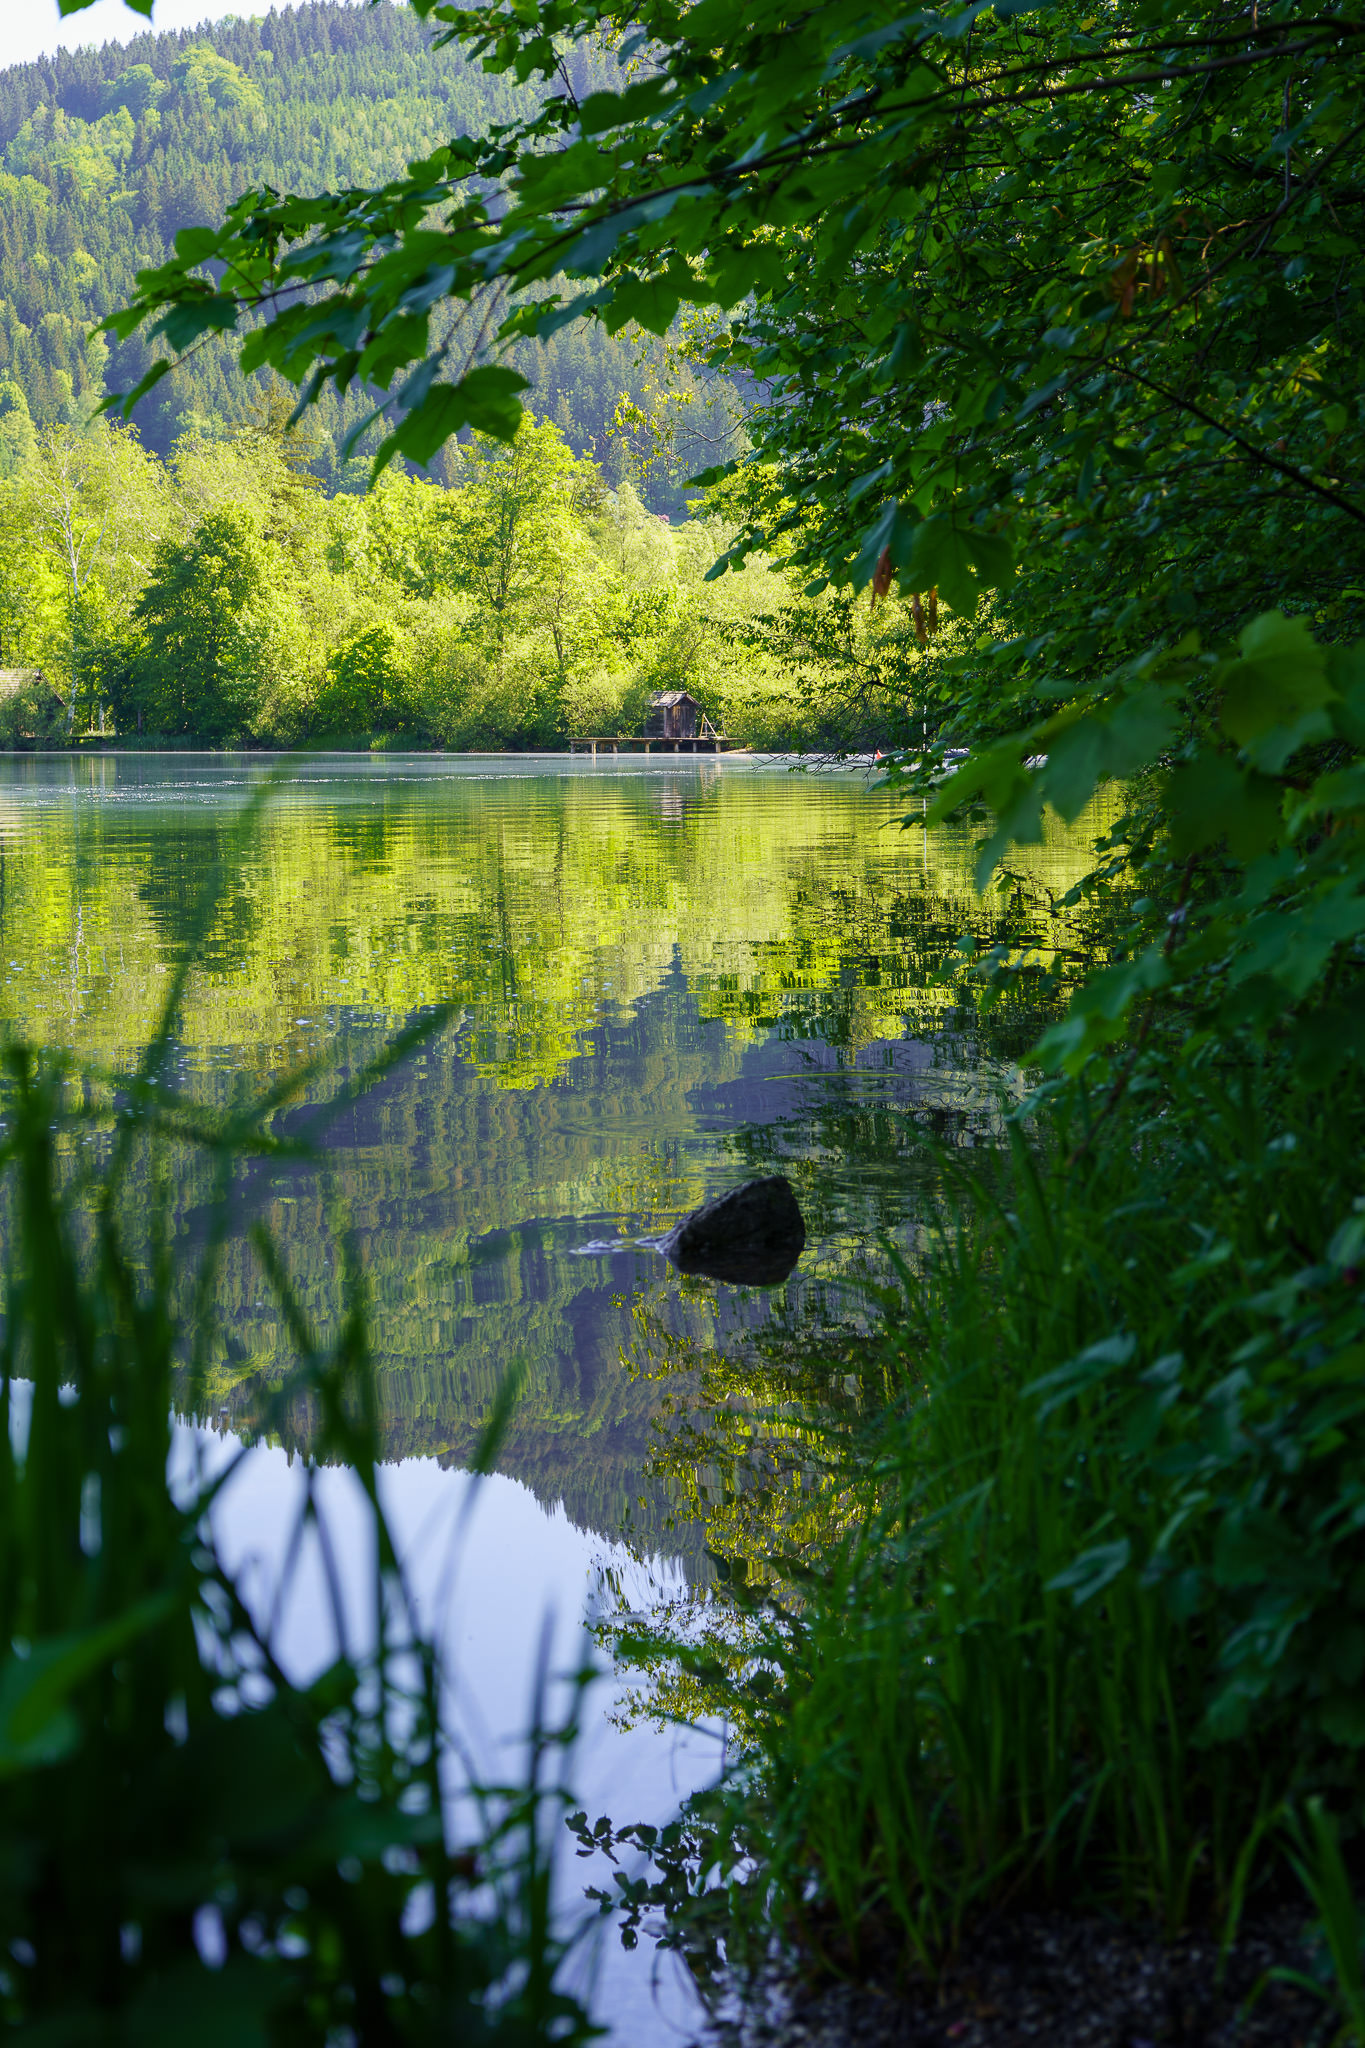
673,715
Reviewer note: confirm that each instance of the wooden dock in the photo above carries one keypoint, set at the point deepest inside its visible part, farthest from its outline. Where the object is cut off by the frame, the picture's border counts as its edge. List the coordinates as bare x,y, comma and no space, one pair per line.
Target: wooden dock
701,743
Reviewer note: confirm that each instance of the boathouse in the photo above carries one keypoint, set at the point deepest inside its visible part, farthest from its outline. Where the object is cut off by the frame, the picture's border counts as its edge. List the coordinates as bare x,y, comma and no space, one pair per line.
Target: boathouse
675,719
673,715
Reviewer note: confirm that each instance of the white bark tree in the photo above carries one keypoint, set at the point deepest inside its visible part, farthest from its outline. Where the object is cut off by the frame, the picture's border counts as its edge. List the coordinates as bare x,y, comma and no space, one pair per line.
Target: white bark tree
96,505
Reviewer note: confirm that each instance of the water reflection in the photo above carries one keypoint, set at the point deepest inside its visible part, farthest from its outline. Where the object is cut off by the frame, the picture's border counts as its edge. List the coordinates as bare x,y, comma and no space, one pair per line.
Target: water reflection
665,981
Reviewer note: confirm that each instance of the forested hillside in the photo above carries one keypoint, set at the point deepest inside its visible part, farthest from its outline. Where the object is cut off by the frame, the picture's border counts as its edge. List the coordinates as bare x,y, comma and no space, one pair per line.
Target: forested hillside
209,575
106,153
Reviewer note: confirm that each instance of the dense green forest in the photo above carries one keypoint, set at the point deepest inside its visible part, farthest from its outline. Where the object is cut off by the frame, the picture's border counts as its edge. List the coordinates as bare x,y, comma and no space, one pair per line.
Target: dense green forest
223,596
105,154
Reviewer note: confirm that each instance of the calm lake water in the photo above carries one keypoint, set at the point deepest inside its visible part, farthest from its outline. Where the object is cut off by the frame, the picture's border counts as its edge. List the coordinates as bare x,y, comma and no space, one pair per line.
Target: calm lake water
666,978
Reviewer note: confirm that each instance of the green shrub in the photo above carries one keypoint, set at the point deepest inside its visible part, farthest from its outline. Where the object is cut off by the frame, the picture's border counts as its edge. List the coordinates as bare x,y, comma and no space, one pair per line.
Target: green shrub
364,689
31,709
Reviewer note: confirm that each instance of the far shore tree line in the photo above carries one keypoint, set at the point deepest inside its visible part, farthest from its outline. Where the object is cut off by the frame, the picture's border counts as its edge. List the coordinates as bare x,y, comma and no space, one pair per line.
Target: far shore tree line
223,597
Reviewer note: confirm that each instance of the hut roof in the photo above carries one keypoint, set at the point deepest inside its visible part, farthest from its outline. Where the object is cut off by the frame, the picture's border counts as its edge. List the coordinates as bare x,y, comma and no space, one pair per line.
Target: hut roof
673,697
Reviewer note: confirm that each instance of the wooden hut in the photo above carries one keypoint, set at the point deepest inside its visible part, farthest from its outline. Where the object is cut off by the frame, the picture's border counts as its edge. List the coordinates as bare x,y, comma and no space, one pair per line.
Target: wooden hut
673,715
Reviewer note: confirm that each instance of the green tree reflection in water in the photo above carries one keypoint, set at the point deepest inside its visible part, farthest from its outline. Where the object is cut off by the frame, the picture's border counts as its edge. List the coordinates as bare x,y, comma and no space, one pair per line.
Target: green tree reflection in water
666,980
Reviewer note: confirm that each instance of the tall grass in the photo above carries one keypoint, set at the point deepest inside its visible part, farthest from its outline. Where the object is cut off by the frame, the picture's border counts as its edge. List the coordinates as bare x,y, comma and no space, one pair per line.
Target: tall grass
1105,1612
193,1846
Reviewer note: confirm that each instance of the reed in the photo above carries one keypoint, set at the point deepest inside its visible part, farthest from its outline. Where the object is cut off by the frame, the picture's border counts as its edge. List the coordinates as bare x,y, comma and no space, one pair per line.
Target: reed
1101,1624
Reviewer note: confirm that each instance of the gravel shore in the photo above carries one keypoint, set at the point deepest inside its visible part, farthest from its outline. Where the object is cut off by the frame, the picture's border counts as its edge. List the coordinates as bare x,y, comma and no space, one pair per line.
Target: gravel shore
1052,1981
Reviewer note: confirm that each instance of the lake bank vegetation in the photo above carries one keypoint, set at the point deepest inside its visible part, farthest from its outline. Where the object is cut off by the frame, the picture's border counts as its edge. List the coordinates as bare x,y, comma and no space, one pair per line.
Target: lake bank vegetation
223,598
1059,311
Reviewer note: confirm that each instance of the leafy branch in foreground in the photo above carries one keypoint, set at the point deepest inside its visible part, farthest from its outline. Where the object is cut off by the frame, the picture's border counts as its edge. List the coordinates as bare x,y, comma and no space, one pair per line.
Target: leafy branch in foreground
1021,288
1245,836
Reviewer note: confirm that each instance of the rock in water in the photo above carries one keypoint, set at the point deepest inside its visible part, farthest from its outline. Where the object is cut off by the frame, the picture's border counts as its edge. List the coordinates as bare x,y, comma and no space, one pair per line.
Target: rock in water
751,1237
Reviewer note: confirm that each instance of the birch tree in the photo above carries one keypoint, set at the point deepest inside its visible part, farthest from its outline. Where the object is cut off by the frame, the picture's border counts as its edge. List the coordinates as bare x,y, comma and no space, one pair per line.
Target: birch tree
95,504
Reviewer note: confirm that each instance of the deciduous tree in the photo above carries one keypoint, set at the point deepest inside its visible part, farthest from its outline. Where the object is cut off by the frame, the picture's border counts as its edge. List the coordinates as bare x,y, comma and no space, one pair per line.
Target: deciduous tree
204,616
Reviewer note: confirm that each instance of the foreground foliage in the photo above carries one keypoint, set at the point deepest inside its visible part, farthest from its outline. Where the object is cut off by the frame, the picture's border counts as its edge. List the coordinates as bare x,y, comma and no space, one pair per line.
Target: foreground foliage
1105,1624
1091,1631
1095,1638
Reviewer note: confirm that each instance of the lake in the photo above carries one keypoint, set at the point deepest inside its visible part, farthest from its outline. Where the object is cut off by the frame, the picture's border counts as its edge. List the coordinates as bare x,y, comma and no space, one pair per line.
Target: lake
664,978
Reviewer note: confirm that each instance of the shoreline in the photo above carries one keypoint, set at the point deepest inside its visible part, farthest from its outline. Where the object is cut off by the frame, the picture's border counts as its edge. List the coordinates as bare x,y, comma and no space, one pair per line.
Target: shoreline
1075,1981
585,764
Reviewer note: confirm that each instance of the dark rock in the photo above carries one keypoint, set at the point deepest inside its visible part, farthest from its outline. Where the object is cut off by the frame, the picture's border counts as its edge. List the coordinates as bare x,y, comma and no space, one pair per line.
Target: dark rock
751,1237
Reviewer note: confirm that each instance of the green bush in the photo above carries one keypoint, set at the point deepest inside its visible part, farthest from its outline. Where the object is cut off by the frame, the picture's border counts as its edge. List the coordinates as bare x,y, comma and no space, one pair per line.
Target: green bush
31,711
1111,1618
206,637
364,690
1100,1624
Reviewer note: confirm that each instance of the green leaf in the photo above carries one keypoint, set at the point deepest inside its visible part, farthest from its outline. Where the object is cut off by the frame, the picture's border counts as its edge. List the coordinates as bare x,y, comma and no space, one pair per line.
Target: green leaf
486,399
36,1725
736,272
601,111
1092,1571
651,302
1099,1011
198,245
1096,1363
1210,799
590,252
961,562
1281,673
183,325
1103,744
